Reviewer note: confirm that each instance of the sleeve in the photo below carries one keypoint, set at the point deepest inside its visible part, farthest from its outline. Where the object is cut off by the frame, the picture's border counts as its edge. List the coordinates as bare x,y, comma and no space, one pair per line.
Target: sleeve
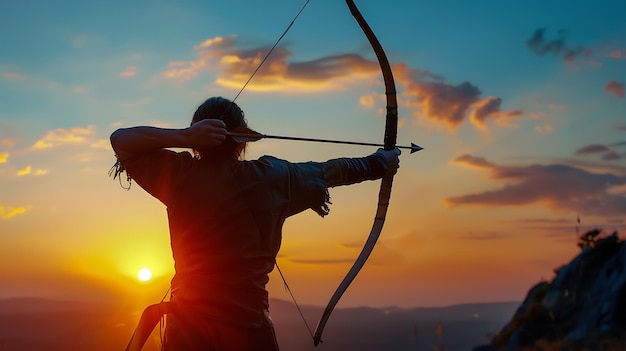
155,171
307,183
346,171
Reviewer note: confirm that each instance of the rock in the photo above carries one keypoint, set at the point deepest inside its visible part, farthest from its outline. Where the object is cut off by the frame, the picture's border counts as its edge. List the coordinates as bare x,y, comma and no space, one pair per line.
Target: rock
584,306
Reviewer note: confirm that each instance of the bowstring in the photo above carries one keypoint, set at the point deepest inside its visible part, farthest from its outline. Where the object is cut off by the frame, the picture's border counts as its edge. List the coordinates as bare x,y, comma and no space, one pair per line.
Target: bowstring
282,276
270,51
293,298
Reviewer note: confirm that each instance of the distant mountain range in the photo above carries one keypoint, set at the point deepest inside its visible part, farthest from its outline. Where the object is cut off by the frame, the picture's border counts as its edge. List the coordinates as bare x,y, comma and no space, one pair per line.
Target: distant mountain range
34,324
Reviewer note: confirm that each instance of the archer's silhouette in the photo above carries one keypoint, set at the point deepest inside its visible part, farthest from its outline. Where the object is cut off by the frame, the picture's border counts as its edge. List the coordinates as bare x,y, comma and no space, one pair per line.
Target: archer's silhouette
225,219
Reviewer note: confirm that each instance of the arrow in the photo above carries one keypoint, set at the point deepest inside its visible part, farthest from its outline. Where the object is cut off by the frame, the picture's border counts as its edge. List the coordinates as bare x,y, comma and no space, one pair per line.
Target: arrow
256,136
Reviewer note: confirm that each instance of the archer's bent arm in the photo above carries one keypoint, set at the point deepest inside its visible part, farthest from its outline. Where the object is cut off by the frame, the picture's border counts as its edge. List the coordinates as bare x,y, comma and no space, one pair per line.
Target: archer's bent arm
345,171
128,142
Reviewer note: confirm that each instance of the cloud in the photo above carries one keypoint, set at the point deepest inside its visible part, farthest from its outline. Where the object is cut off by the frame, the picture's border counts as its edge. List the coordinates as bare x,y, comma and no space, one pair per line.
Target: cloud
449,104
485,236
103,144
24,171
277,73
80,89
490,107
130,71
29,170
538,44
607,153
618,54
544,129
8,142
427,93
615,88
60,136
3,156
9,212
12,76
473,161
556,186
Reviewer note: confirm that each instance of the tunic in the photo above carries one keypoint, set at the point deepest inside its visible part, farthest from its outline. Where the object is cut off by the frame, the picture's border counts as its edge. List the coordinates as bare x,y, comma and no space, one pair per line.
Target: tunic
225,221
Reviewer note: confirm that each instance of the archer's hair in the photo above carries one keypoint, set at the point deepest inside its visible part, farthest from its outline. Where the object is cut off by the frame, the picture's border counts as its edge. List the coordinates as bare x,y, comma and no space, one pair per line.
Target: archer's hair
232,115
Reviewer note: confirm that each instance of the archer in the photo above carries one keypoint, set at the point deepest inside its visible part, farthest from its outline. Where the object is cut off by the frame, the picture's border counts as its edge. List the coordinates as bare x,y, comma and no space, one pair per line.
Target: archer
225,218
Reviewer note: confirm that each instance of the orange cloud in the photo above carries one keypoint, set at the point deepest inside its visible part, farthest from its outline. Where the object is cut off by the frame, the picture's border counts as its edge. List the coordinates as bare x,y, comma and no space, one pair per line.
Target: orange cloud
556,186
104,144
615,88
490,108
473,161
544,129
80,90
618,54
3,157
277,73
12,76
8,142
449,104
130,71
24,171
8,212
422,91
60,136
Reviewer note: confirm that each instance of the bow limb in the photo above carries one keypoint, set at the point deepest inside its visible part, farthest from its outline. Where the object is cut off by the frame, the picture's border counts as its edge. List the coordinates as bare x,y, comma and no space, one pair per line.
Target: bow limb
391,130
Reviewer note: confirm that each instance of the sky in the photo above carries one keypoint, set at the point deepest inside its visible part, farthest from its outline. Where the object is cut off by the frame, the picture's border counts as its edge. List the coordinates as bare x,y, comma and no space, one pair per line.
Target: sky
519,106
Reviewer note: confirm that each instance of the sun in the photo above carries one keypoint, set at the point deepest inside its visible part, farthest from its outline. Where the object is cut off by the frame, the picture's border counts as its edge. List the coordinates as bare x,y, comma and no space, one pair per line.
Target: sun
144,274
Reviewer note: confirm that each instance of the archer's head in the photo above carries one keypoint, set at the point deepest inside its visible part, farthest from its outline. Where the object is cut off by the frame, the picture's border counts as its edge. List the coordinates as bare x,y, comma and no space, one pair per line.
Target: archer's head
233,117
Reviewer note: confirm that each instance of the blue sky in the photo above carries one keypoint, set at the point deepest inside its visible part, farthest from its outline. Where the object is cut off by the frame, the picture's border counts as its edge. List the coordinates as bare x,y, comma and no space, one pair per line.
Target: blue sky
520,107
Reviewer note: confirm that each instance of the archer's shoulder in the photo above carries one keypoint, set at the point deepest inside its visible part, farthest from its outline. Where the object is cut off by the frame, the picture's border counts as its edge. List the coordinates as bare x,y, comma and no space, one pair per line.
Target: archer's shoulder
263,163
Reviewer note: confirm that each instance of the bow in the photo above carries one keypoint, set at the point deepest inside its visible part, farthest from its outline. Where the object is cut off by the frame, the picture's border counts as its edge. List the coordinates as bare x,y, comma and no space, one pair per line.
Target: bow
391,131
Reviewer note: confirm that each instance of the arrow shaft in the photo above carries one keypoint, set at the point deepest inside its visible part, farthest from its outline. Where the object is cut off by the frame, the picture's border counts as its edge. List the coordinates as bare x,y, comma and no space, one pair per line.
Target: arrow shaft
255,137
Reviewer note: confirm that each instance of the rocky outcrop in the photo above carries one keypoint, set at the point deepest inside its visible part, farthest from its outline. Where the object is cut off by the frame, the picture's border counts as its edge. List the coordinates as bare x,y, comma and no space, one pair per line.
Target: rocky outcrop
583,308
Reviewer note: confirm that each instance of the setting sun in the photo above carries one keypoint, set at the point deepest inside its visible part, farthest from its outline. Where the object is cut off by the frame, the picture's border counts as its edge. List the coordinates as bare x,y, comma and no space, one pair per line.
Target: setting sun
144,274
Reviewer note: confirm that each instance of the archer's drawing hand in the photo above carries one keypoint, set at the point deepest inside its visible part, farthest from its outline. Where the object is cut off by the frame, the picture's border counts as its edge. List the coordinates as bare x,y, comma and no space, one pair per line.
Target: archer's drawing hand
392,159
206,133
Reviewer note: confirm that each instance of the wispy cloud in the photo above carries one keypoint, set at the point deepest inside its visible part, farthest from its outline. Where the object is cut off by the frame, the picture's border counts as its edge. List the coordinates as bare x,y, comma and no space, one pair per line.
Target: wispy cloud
481,236
8,142
24,171
540,45
544,129
29,170
60,136
12,76
557,186
9,212
618,54
607,153
129,72
4,156
277,74
615,88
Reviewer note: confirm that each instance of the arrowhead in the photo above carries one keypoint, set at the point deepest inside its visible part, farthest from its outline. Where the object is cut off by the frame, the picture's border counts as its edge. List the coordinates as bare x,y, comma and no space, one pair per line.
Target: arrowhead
415,148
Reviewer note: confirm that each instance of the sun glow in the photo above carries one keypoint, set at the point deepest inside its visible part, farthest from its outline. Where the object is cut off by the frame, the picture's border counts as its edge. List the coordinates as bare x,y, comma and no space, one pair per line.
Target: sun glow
144,274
